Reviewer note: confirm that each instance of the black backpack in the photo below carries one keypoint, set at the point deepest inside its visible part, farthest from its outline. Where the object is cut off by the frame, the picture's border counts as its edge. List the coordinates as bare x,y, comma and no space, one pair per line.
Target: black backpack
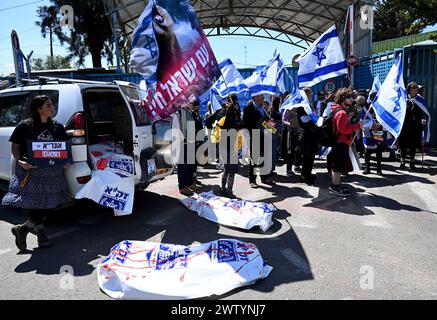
326,132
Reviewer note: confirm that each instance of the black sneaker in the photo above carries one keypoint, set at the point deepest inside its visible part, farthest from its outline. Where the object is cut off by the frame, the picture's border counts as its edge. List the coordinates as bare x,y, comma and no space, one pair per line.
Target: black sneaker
43,241
402,166
338,191
413,167
20,232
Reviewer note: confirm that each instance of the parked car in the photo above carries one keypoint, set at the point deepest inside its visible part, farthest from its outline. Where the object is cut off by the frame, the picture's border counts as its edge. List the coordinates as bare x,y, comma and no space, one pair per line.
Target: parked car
91,112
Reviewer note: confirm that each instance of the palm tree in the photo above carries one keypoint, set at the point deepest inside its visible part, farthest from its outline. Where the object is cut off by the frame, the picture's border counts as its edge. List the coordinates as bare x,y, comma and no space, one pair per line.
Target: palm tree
49,20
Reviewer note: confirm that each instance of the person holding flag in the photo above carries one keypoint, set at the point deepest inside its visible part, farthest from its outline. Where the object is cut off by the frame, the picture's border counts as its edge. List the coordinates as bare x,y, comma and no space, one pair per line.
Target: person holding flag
308,142
390,104
252,115
373,139
344,135
411,134
421,102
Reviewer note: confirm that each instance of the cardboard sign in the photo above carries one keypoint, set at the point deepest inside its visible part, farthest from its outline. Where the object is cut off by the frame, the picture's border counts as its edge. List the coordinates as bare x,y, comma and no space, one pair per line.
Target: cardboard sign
270,125
48,153
266,123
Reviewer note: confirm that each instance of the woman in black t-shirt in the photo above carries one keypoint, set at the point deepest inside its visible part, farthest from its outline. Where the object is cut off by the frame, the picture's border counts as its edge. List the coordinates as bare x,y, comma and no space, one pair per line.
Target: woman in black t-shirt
36,189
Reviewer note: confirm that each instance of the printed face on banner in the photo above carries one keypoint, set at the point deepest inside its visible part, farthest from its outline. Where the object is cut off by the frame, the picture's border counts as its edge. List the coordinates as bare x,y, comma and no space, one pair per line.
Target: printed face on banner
186,66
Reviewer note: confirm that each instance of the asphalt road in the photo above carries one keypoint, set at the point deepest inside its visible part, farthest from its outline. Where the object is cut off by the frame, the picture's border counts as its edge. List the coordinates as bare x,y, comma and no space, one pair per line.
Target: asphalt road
379,244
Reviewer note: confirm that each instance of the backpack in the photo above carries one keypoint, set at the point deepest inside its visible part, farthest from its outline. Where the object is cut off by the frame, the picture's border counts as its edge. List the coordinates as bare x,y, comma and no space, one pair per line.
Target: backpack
326,132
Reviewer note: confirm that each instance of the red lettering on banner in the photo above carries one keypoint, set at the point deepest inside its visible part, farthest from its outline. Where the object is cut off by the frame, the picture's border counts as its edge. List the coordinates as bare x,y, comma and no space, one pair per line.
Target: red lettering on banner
191,77
39,154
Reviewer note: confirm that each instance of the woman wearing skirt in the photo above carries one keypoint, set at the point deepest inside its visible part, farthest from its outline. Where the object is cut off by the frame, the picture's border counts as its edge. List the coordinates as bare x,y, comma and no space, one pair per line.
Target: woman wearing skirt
36,189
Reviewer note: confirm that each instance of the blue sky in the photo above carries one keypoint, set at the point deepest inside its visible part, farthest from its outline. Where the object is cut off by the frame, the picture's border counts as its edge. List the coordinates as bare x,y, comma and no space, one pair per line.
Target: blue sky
244,51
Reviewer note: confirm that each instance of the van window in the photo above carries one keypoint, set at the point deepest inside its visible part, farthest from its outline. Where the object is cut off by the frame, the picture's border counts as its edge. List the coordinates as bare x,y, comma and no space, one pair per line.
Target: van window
15,107
10,110
135,96
52,94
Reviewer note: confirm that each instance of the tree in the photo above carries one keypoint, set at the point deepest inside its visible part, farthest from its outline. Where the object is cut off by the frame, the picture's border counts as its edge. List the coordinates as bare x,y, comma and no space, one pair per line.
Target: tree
92,33
48,16
398,18
51,63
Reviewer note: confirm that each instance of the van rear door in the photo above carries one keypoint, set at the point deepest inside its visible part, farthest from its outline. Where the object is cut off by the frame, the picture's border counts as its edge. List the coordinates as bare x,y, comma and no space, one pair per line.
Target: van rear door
142,129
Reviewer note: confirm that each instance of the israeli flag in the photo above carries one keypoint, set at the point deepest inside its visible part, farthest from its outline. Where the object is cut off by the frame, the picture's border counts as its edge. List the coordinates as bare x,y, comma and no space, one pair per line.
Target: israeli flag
214,101
231,82
268,78
298,98
390,103
145,53
421,102
375,87
322,60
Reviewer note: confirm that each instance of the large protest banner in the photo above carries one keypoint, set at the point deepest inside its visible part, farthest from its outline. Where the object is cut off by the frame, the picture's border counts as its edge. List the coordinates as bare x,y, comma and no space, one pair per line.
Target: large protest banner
172,53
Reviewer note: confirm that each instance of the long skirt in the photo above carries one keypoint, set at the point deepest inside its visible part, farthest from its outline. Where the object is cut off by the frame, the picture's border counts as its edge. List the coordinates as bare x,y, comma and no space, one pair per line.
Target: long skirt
40,188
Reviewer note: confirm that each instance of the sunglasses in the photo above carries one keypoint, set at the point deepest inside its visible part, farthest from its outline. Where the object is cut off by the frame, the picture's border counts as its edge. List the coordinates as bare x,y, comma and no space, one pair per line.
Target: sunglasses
414,87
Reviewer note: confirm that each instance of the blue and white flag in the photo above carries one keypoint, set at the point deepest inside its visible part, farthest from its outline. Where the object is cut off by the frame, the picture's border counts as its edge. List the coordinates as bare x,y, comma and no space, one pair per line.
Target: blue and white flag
375,87
268,78
421,102
390,103
145,51
214,101
233,81
298,98
322,60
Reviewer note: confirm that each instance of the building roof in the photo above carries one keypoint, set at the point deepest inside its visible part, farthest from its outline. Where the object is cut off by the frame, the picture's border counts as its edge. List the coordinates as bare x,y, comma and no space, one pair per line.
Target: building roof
390,44
274,19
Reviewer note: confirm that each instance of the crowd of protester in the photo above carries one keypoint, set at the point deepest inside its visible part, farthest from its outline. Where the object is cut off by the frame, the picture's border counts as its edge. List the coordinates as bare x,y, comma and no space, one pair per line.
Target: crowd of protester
297,142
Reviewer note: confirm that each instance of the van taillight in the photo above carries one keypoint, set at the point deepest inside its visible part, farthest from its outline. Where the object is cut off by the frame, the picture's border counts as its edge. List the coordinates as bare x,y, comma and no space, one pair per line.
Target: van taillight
83,180
76,128
79,121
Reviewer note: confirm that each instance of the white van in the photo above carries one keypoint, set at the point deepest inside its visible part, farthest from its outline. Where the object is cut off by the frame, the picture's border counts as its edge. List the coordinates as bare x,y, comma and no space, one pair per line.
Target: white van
89,111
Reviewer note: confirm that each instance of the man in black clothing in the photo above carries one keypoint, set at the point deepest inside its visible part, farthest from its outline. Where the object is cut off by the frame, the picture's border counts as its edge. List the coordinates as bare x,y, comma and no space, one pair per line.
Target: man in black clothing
411,133
309,143
194,110
252,115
